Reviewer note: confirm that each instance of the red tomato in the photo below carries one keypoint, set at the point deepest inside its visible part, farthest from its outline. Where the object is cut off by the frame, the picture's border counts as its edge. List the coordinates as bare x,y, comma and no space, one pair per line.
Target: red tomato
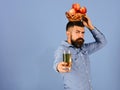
83,10
76,6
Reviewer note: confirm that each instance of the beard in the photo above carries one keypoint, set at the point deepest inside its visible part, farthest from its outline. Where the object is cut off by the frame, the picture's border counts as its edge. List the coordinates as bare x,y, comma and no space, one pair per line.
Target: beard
78,42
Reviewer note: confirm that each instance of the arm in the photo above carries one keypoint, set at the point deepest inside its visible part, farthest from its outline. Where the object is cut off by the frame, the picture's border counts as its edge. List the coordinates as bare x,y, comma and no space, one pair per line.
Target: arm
59,65
58,58
100,40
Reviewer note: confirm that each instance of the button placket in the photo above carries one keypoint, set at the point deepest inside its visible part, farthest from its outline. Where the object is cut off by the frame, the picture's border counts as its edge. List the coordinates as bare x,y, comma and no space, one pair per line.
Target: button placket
86,70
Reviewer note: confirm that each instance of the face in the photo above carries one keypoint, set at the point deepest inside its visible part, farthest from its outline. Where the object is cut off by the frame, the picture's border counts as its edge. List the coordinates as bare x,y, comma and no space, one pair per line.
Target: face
76,36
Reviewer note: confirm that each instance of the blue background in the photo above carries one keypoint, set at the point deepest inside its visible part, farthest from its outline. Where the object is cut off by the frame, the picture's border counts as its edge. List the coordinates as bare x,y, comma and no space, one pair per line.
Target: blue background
31,31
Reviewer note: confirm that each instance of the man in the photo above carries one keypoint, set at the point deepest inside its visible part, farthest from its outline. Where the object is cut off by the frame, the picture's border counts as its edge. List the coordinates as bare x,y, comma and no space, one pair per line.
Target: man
78,76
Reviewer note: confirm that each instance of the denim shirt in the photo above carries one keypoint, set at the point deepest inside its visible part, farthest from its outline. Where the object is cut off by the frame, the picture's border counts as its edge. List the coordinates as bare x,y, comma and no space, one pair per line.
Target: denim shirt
79,76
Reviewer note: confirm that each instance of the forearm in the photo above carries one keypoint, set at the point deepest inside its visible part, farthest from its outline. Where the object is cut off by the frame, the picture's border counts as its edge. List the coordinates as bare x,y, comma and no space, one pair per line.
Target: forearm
58,58
98,36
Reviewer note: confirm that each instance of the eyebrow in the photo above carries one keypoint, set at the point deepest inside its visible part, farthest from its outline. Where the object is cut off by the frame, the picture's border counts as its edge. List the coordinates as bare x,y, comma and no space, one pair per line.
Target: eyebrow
80,31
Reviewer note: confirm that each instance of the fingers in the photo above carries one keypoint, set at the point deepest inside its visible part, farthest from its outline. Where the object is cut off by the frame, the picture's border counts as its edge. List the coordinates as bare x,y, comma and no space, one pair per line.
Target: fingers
85,19
62,67
87,22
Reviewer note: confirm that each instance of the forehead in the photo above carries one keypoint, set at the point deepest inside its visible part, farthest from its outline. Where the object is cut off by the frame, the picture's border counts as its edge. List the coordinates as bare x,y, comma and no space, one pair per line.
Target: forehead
77,28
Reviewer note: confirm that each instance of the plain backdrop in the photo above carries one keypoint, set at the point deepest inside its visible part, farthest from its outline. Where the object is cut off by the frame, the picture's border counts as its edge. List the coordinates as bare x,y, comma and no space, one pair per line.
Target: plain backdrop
31,31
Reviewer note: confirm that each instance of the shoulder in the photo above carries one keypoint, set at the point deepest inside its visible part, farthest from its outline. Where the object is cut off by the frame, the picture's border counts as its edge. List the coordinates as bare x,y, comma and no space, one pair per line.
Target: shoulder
84,48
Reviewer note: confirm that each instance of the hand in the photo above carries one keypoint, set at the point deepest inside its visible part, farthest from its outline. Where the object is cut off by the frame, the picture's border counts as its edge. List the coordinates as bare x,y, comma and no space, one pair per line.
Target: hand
63,67
87,22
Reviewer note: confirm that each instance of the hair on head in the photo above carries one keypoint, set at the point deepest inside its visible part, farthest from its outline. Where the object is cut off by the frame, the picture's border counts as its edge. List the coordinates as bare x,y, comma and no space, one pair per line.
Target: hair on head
74,23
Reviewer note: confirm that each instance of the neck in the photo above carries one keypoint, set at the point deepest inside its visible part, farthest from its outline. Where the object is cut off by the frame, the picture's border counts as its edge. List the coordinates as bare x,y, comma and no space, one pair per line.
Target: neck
69,41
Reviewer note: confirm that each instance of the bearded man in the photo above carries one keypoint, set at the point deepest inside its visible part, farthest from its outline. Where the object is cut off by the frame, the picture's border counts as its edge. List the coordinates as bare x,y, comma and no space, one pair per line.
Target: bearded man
77,76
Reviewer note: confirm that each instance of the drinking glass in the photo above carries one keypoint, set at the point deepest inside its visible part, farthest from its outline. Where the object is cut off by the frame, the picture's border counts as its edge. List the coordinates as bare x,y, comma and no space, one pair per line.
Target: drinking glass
67,57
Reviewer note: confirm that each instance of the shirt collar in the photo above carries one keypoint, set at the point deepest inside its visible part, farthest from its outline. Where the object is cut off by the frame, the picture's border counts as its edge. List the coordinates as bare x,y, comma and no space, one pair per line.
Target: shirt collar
65,43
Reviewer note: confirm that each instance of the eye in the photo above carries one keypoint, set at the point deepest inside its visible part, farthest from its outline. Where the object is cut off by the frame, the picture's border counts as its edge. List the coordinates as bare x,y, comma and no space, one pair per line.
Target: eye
77,31
83,32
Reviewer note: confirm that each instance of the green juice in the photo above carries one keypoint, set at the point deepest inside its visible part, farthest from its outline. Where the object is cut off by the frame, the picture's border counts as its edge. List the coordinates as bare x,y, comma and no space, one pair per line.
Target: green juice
67,58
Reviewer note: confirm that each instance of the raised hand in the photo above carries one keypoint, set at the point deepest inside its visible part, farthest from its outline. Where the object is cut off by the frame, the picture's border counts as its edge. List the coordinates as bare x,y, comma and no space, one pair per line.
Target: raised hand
87,22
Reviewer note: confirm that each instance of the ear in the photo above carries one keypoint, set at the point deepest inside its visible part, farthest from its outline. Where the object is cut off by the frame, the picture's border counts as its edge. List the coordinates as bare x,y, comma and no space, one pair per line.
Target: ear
68,34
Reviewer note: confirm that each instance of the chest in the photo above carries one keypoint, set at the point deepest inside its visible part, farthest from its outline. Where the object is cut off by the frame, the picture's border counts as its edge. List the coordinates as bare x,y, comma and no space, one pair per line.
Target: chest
80,58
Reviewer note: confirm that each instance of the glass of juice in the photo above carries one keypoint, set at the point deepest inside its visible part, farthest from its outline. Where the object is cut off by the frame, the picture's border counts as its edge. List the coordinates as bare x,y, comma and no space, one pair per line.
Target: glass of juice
67,57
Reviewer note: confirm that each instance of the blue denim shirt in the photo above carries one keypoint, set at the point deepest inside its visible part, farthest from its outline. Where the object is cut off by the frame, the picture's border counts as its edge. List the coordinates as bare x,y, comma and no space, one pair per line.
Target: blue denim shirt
79,76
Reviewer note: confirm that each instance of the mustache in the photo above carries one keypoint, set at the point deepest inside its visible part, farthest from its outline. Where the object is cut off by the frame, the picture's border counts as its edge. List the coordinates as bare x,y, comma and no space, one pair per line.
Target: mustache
78,42
80,39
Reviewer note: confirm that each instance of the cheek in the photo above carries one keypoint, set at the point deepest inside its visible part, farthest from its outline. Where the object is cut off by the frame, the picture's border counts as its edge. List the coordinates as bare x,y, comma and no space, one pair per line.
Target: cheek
82,36
74,37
